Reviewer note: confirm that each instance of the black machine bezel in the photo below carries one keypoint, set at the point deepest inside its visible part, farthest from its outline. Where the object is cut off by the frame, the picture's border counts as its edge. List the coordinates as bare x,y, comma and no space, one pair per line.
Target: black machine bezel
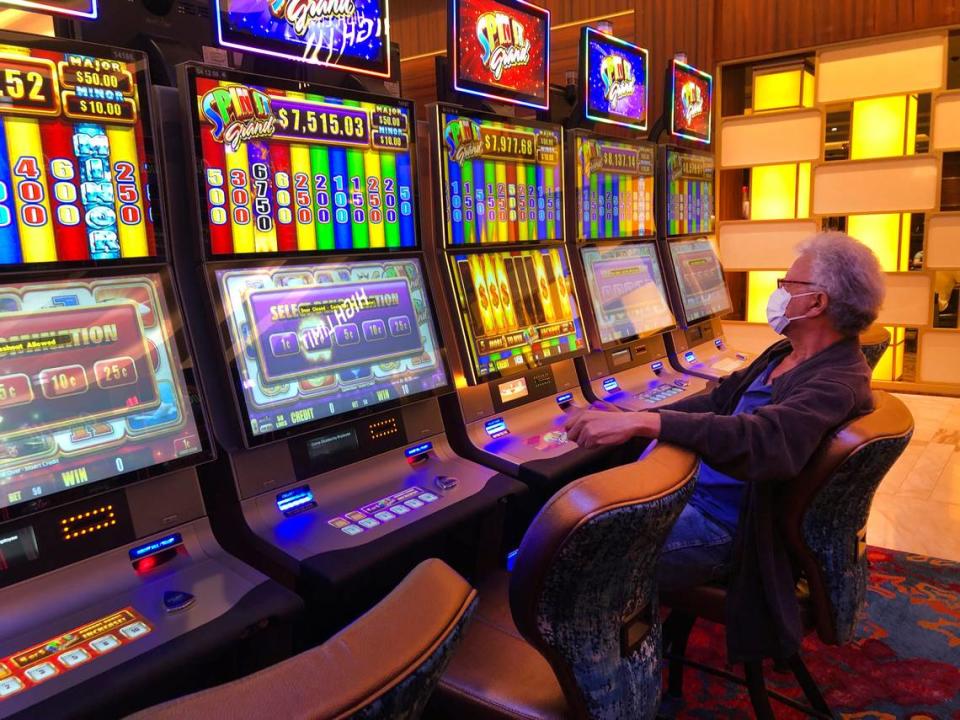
673,282
496,93
151,143
229,363
583,82
595,325
193,393
571,171
440,187
463,338
187,74
279,50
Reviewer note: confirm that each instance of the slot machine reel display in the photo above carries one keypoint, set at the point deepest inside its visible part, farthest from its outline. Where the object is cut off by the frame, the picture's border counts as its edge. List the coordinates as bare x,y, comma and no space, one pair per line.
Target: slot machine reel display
310,263
101,425
519,326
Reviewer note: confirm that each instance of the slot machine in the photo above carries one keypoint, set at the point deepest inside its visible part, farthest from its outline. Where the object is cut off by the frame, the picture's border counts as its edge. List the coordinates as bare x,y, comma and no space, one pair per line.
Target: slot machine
698,290
320,333
613,232
499,245
114,593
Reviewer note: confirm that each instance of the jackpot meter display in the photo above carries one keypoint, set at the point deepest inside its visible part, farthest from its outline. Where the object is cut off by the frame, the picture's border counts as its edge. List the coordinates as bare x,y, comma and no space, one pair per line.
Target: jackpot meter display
74,144
349,35
614,188
688,193
703,291
627,292
284,167
90,384
501,182
313,342
518,309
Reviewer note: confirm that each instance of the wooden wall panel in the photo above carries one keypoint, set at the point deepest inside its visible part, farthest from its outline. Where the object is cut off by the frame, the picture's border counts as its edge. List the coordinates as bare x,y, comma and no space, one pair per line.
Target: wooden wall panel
747,28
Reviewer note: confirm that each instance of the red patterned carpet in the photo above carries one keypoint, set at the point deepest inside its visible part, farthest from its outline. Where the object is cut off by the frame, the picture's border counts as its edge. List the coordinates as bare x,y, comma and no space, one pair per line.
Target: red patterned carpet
904,664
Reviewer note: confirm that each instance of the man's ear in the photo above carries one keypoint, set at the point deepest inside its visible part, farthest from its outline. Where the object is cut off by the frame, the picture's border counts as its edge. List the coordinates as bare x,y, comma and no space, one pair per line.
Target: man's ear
820,302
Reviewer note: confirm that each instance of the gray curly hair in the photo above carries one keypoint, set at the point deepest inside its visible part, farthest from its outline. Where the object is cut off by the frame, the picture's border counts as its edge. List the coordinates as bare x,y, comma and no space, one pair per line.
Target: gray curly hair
850,274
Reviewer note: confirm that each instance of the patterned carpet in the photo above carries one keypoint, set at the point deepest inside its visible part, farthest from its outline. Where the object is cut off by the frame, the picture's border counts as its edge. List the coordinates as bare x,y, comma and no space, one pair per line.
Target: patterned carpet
904,665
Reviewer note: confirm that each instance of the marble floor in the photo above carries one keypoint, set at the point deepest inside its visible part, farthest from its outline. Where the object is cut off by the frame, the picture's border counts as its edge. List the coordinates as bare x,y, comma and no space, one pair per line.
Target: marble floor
917,506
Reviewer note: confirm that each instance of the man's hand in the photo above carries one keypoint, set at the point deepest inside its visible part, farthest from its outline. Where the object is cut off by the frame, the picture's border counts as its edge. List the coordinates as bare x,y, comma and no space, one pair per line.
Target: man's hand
600,428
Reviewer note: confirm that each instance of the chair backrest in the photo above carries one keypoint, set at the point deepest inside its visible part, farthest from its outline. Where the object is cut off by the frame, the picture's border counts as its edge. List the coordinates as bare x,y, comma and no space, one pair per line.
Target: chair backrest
383,665
582,591
824,512
873,343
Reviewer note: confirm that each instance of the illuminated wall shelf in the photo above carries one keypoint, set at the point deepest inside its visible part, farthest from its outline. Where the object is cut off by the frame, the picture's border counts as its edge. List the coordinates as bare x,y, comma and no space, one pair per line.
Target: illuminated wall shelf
770,138
865,101
946,122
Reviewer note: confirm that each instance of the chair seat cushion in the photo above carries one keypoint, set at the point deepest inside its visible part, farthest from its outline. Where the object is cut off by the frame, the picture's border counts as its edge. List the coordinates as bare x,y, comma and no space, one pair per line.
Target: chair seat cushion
495,672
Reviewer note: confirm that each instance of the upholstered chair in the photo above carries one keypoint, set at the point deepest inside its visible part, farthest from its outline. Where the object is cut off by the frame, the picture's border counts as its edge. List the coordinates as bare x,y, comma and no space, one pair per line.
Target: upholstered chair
383,665
574,630
823,517
873,342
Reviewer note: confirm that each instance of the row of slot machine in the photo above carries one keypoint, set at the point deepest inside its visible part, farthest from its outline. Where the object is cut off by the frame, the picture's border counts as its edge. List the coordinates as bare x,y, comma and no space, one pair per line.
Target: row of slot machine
244,370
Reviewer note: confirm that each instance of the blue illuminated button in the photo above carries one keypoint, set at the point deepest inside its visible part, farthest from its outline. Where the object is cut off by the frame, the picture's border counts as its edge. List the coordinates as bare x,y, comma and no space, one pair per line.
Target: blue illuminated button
385,516
373,330
369,523
134,630
41,672
73,658
399,509
10,686
176,600
428,497
399,325
105,644
352,529
348,334
413,503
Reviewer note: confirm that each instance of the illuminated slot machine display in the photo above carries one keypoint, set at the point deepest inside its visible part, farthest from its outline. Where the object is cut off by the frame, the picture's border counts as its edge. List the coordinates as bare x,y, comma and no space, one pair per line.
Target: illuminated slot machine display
322,327
82,9
104,540
612,235
698,291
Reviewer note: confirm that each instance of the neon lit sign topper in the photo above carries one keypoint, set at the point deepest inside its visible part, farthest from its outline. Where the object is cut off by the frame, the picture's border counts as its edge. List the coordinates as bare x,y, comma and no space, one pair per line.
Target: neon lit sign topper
614,80
691,104
85,9
500,49
351,35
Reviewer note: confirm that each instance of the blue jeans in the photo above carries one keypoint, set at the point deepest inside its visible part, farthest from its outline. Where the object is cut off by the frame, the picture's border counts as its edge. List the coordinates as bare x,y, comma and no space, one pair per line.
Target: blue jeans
697,551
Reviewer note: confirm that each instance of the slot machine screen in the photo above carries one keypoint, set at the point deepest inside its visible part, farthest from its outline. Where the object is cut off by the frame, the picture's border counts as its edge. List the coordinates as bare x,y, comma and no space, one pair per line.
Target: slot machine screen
500,50
614,77
82,9
74,145
614,188
501,182
352,36
518,309
286,167
309,343
703,291
691,102
626,290
688,192
91,385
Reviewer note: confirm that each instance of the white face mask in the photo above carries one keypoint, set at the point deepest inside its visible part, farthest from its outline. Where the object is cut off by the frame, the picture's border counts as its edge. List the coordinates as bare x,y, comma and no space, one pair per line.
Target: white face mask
777,309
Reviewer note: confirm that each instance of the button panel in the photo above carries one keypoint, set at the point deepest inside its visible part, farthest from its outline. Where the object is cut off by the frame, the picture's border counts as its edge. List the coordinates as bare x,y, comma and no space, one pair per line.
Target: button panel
659,393
389,508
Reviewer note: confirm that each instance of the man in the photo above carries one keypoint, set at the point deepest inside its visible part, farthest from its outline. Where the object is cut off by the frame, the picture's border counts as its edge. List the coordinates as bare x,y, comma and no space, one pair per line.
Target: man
757,428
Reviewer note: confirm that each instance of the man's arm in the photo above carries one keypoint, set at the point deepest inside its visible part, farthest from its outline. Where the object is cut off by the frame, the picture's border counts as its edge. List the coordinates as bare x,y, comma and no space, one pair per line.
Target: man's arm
774,442
713,401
